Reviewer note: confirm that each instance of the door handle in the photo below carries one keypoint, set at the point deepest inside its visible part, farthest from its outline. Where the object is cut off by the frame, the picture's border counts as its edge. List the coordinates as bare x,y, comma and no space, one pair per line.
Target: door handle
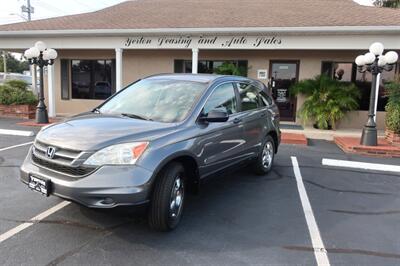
237,120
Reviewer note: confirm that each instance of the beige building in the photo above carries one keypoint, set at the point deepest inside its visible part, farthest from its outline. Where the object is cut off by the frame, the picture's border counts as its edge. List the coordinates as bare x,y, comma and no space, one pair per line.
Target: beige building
277,42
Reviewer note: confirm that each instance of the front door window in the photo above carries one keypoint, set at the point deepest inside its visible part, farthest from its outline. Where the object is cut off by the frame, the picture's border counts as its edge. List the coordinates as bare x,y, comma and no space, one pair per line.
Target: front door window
283,76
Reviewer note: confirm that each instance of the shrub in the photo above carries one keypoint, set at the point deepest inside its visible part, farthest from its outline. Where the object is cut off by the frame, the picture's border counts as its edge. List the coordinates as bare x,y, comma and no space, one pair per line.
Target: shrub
393,107
327,100
17,84
15,92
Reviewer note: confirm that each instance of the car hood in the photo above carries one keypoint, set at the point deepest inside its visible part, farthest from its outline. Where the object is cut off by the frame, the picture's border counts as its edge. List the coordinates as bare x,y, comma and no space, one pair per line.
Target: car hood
95,131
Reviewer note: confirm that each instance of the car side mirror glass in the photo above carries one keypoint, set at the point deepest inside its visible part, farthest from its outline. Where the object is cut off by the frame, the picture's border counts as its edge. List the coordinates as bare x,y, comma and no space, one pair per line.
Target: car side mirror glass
215,116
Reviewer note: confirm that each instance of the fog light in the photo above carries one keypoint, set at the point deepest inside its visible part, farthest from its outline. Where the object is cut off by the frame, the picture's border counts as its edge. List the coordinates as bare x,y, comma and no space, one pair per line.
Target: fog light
107,201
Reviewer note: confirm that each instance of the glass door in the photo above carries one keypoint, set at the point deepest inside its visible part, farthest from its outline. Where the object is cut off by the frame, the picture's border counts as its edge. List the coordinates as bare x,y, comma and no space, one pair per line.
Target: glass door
283,75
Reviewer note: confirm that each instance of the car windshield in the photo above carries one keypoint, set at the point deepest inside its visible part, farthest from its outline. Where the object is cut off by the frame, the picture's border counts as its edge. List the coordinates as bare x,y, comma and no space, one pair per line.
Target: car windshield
162,100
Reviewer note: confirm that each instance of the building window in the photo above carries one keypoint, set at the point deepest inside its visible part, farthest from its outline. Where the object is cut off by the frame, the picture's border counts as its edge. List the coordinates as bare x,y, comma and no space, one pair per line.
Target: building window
92,79
207,66
347,72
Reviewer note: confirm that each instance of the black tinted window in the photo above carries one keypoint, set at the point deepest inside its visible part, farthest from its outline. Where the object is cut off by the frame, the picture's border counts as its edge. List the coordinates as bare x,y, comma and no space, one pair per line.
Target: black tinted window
249,96
223,98
92,79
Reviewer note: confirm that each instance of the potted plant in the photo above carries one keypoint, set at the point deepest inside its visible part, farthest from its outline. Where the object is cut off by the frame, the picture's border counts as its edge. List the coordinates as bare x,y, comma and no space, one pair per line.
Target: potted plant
392,130
229,68
16,100
327,100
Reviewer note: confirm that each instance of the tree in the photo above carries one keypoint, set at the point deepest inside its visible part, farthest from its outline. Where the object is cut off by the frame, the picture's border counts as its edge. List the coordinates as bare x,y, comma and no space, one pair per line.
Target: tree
387,3
13,65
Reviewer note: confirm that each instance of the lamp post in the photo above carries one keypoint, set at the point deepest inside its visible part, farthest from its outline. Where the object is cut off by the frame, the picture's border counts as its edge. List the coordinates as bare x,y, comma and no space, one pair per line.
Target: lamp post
41,56
375,62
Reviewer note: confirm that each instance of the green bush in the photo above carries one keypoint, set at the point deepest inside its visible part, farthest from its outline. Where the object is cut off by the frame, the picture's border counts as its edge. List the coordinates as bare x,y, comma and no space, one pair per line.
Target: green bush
15,92
327,100
393,107
17,84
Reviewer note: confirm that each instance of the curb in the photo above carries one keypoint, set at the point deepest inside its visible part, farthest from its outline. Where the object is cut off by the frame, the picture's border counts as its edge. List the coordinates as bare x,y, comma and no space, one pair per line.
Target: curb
383,150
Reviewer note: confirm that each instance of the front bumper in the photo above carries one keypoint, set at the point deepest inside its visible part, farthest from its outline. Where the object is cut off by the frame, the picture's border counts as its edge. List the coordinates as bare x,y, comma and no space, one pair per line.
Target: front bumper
107,187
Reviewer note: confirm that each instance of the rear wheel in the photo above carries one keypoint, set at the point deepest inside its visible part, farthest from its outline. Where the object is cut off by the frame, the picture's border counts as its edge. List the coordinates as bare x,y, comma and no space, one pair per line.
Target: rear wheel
168,198
265,159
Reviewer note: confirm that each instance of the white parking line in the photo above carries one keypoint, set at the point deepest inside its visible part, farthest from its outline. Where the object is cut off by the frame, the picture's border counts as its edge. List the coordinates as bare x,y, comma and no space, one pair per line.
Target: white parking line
16,132
316,240
361,165
16,146
37,218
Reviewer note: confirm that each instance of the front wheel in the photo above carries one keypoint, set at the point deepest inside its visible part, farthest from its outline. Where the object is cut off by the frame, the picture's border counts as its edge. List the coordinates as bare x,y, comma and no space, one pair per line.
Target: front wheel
168,198
265,159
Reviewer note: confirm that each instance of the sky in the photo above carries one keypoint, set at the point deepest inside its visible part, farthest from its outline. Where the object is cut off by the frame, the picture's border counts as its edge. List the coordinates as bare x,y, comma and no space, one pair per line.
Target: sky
10,10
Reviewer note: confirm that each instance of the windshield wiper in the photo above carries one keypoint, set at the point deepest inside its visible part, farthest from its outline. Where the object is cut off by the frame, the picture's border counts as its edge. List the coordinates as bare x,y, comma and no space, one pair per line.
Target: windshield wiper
136,116
96,110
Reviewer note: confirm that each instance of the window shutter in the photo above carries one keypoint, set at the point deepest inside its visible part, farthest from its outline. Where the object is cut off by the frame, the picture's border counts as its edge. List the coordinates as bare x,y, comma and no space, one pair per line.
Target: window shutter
327,68
65,79
178,66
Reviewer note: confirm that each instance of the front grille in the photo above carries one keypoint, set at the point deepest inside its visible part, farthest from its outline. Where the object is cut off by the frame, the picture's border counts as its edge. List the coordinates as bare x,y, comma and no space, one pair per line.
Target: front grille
73,171
65,161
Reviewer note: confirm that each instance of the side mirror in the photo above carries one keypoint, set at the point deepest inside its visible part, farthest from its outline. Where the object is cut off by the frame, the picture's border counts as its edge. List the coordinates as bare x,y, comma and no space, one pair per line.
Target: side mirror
215,116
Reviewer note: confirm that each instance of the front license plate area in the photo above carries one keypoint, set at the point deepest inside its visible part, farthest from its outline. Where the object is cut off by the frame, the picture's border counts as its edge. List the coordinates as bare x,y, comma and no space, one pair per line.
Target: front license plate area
39,185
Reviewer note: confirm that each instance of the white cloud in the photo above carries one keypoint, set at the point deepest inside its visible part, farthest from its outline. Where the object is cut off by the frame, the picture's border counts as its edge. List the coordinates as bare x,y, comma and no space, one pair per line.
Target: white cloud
364,2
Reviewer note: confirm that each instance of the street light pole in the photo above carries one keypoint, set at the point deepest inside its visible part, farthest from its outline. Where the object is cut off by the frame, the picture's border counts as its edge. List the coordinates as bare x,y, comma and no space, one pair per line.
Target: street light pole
374,62
41,56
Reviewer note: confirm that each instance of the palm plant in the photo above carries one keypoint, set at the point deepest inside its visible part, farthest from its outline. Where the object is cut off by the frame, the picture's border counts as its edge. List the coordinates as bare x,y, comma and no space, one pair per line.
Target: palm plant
393,106
327,100
387,3
229,68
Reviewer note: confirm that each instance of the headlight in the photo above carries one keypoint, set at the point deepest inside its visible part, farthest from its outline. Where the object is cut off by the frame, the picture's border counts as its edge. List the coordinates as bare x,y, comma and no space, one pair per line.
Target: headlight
126,153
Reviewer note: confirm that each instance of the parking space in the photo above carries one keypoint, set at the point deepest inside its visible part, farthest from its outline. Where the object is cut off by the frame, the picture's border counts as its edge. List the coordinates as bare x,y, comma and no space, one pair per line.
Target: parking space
238,218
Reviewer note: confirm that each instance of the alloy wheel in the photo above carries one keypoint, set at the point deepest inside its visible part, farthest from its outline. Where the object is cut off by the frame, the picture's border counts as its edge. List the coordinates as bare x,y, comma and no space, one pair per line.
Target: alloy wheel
177,196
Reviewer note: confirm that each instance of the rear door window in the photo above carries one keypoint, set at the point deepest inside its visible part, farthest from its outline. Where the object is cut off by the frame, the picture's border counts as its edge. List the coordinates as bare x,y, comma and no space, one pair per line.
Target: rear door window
249,96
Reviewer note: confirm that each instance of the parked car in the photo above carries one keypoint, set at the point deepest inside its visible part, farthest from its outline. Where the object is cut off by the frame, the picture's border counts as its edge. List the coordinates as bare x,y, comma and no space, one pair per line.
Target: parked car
15,76
102,89
154,141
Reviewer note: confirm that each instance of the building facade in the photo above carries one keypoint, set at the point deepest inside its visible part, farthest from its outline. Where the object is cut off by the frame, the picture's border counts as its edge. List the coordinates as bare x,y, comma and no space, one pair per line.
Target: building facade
277,42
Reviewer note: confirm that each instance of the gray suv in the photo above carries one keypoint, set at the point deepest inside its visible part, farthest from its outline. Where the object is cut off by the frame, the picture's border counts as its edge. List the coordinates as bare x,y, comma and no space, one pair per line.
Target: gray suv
154,141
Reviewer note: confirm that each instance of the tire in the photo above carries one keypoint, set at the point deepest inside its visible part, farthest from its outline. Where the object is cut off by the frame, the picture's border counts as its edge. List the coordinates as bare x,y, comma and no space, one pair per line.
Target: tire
168,198
263,164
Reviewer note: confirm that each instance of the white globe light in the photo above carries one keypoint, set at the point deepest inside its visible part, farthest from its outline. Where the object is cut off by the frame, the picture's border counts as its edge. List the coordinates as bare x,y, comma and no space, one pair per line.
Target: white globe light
369,58
28,53
381,61
34,52
46,55
391,57
376,48
41,46
360,60
52,53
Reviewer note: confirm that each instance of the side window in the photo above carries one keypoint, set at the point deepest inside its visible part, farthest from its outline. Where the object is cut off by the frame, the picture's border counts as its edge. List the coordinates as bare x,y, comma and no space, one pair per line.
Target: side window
223,98
249,96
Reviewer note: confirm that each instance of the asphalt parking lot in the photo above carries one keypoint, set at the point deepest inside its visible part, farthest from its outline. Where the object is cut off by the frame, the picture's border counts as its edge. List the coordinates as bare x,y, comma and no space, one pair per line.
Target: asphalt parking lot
238,218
